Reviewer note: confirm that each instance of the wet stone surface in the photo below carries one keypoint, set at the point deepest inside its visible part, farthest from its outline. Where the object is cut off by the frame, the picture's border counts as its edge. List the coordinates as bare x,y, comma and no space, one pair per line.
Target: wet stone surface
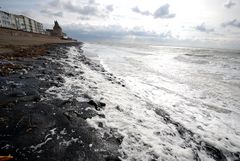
37,126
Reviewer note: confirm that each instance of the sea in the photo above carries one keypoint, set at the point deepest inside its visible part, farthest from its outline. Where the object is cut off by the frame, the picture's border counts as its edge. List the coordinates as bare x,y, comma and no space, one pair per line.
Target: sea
173,103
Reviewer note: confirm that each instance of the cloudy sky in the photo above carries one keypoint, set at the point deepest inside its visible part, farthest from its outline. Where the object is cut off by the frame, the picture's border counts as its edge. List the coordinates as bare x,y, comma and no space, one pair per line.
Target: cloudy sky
205,23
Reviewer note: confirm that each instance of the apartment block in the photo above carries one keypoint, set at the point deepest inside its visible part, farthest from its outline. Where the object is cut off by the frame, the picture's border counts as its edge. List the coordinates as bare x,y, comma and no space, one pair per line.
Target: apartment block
20,22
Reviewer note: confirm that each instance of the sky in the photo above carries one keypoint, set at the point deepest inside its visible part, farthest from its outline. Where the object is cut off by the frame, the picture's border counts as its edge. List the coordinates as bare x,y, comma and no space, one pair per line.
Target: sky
197,23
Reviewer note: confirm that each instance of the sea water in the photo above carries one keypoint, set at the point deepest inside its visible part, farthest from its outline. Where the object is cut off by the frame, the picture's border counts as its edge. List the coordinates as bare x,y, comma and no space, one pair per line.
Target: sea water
178,103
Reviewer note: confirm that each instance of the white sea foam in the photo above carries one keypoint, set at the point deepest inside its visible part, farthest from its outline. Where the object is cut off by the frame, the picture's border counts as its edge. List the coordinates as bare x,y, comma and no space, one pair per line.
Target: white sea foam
35,147
68,142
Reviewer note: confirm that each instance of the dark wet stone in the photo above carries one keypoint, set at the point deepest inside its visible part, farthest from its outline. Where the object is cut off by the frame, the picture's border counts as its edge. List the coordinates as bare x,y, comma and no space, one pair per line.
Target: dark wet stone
112,158
98,105
33,93
67,115
22,77
70,74
34,98
10,105
17,93
102,104
118,108
26,121
6,101
56,84
66,102
86,96
100,124
44,72
214,152
60,79
102,115
237,155
92,102
120,139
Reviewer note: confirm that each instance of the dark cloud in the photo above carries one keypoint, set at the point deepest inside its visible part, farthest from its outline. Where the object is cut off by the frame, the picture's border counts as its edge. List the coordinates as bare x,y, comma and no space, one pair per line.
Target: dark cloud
203,28
110,8
112,32
83,18
51,14
84,8
54,3
163,12
233,23
229,4
137,10
59,14
91,2
116,33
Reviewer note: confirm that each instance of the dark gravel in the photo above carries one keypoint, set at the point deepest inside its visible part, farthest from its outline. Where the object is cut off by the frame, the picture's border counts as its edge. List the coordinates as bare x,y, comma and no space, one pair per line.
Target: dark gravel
36,126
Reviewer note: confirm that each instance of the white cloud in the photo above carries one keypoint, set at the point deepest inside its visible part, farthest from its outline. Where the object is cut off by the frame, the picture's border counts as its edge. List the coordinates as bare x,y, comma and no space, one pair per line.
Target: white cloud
229,4
114,32
84,8
52,14
163,12
233,23
110,8
203,28
137,10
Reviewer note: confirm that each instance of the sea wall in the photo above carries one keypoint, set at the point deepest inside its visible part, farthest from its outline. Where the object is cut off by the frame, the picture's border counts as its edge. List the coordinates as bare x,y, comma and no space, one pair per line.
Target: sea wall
16,37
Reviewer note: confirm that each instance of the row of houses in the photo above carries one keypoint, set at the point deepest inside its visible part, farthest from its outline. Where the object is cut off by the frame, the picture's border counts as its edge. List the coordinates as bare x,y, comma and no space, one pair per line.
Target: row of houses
20,22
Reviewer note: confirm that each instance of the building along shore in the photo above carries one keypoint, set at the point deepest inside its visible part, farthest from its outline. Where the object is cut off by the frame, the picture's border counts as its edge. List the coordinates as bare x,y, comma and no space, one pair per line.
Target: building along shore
20,22
20,30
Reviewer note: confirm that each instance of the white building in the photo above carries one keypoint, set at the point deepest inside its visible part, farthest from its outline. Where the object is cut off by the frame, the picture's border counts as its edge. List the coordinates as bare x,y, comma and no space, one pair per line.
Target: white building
7,20
4,19
20,22
39,27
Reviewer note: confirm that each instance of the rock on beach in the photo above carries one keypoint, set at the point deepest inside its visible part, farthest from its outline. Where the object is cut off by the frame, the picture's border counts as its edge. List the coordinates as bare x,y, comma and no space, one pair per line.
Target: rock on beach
35,125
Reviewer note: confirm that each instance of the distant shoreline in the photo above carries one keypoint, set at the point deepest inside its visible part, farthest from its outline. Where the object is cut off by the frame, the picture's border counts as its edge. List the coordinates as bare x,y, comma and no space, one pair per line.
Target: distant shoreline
23,38
27,44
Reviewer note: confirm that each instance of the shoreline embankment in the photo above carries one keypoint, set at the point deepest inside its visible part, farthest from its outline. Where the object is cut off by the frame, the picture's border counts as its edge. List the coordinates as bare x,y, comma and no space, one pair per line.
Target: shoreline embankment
16,43
23,38
35,125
